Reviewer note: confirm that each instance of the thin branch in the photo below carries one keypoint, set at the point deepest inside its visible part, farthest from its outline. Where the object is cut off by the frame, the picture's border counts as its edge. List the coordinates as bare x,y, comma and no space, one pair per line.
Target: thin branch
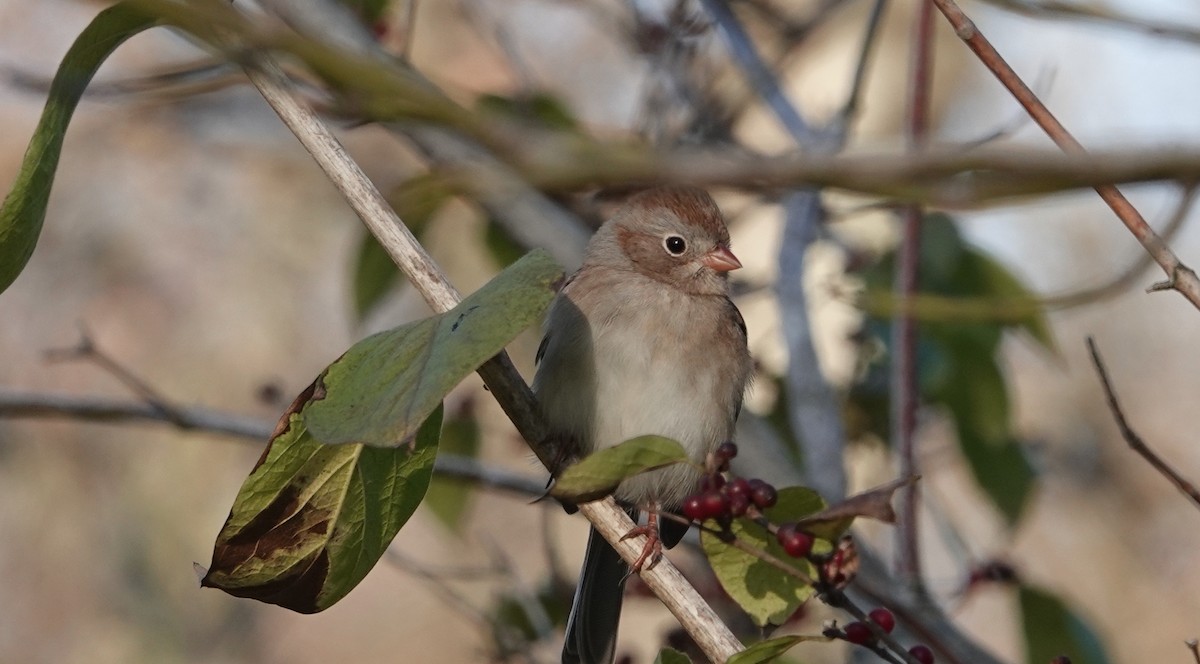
905,395
1179,277
1135,441
17,404
1194,646
858,84
813,409
14,404
87,350
761,77
1074,11
505,384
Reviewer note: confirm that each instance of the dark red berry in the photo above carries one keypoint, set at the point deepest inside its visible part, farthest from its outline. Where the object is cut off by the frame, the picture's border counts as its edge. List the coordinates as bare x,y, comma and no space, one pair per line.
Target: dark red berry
857,633
738,486
726,450
693,507
738,504
883,618
795,542
714,503
762,494
921,653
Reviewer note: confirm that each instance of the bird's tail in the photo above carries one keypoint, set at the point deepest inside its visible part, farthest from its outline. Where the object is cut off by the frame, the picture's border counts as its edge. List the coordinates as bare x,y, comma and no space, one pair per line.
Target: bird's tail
592,625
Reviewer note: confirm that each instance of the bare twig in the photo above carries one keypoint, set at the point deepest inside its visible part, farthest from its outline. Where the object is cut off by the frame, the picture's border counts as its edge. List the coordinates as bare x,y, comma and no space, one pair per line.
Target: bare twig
905,396
16,404
1194,646
87,350
437,582
1180,277
1135,441
99,409
499,375
1074,11
759,75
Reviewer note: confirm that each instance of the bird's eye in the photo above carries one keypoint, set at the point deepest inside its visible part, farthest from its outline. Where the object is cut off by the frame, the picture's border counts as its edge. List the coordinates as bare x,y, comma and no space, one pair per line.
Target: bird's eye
674,245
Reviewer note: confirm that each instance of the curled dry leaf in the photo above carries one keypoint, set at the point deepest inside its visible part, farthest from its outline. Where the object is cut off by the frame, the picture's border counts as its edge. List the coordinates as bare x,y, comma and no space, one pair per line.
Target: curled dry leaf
873,504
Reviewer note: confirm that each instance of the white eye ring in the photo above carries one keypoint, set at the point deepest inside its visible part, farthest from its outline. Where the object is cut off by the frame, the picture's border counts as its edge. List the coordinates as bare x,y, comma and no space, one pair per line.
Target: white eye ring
674,245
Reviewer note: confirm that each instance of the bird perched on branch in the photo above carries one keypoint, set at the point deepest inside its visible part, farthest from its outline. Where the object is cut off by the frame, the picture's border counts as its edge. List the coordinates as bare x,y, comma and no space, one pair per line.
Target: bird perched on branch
643,339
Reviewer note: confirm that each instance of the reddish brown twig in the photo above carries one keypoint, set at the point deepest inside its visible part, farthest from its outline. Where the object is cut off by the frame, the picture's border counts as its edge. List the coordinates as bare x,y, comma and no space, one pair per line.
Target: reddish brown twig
904,331
1179,276
1135,441
1194,646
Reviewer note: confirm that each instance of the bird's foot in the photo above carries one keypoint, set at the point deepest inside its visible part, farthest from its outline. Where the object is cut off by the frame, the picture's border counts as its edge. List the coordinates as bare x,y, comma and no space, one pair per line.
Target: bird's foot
652,550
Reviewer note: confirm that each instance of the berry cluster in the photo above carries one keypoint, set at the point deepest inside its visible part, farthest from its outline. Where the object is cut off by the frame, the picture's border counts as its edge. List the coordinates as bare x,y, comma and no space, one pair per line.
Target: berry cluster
718,499
859,633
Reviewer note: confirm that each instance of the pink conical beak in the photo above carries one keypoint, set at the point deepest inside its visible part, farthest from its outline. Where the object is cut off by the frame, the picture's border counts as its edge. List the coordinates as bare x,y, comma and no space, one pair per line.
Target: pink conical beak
721,259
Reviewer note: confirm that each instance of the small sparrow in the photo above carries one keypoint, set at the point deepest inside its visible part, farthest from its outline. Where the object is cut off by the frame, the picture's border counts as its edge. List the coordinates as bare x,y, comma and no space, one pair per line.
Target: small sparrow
643,339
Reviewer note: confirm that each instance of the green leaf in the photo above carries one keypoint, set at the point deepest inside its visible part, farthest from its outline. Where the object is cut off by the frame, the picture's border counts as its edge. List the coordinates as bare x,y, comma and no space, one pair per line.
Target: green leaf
978,399
1051,629
768,594
24,210
771,649
374,275
448,499
672,656
311,520
999,281
380,390
598,474
415,201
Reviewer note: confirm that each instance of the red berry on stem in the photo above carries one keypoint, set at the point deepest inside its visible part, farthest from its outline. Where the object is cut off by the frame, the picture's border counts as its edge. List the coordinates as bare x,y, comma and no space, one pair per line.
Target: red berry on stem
762,494
726,450
857,633
715,503
693,508
795,542
883,618
738,504
738,486
921,653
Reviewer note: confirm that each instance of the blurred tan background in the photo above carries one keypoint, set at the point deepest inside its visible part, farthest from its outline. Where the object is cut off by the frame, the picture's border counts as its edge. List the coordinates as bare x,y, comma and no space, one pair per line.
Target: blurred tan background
201,247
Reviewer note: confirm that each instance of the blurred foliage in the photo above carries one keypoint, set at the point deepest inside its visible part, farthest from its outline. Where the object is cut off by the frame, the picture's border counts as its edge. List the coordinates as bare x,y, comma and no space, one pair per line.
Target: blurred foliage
958,363
1051,629
537,109
449,498
370,10
415,201
509,616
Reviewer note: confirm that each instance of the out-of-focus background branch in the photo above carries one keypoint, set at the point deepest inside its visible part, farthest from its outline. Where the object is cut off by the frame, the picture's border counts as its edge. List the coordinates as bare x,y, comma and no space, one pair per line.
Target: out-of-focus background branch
208,255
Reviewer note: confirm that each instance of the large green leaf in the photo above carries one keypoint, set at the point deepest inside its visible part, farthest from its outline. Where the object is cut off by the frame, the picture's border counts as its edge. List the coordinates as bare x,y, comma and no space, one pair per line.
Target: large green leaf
957,361
380,390
977,397
768,594
24,209
598,474
311,520
1051,629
